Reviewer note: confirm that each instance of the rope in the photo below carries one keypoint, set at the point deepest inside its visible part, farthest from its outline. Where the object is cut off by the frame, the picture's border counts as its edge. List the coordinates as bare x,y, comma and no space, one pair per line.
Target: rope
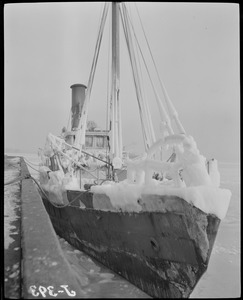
42,191
47,198
32,167
14,166
31,162
17,179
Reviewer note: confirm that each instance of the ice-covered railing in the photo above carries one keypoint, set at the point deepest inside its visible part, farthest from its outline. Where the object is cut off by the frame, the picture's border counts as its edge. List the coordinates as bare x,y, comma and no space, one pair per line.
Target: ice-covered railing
190,181
68,154
55,183
67,158
189,169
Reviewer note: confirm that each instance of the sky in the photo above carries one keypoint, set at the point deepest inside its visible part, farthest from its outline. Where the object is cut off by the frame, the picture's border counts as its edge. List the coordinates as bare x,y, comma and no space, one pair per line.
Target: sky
50,46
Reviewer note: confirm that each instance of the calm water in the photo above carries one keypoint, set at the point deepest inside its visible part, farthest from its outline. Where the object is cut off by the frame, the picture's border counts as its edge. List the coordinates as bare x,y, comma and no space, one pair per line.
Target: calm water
222,279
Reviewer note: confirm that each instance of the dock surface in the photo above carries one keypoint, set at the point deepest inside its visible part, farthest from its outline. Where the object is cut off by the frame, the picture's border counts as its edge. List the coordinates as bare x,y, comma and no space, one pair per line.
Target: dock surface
35,266
12,227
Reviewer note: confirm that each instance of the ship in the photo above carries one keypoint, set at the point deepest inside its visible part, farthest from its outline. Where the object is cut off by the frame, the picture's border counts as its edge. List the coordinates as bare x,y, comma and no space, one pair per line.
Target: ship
152,219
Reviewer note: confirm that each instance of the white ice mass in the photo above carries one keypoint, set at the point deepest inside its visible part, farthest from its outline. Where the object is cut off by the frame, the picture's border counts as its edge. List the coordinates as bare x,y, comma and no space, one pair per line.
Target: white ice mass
190,180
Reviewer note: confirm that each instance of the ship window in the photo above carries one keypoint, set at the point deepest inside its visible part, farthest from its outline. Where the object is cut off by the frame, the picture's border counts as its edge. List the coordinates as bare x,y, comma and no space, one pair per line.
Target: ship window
100,141
88,141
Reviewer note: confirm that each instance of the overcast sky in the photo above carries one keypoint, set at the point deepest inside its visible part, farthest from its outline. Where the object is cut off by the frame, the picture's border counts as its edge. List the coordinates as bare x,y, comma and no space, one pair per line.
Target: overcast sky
49,46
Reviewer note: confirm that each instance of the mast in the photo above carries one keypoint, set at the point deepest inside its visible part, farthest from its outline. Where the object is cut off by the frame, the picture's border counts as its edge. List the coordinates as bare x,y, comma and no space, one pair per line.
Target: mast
116,138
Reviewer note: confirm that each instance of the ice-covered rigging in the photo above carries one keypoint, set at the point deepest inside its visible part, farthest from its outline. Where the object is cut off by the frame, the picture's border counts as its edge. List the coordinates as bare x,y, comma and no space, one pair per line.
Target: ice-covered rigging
115,118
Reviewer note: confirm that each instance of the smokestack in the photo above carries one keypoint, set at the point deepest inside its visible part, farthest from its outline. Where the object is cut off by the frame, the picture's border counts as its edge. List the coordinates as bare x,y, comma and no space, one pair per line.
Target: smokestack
78,97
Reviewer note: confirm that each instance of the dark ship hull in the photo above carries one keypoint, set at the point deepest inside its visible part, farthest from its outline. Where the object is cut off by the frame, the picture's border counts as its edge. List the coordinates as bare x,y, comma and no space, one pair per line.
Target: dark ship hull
164,253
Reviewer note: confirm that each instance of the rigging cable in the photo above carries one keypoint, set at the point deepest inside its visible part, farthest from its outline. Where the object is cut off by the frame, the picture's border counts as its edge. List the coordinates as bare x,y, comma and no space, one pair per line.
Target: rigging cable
69,119
163,113
145,108
171,108
141,114
137,55
151,130
139,105
144,121
108,94
80,138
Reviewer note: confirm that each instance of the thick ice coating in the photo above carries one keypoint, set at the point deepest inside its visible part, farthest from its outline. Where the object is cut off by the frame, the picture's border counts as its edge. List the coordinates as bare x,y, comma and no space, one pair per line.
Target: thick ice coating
124,196
191,179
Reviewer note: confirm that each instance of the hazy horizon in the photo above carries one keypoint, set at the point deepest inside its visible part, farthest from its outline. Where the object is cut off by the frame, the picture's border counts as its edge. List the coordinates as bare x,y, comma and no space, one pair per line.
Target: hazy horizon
49,46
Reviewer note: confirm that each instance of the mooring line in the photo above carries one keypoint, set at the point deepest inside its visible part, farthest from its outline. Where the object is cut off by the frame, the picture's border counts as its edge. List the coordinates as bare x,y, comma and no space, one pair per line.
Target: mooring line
17,179
26,160
47,198
32,167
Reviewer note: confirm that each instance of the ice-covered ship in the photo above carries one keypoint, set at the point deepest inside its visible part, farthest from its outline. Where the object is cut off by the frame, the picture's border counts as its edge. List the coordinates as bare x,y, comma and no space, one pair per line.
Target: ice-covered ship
152,219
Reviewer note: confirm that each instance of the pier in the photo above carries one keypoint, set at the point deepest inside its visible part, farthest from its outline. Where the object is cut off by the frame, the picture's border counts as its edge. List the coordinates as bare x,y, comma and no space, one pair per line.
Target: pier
35,266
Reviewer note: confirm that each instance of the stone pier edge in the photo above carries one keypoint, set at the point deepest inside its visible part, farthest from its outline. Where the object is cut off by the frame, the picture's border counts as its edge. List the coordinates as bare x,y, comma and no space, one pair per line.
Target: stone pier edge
43,262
